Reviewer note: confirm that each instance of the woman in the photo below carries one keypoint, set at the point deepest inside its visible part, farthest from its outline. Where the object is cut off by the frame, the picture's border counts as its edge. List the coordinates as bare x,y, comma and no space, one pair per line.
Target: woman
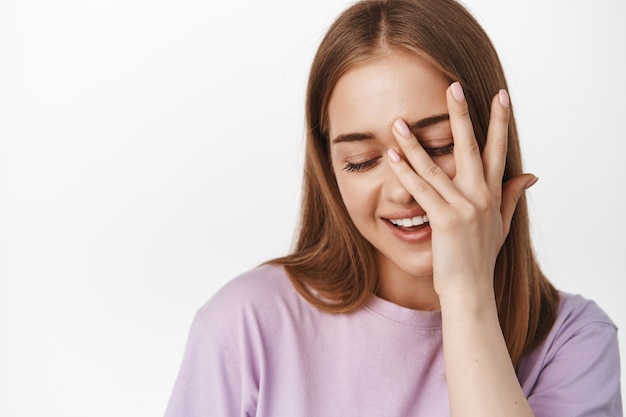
412,289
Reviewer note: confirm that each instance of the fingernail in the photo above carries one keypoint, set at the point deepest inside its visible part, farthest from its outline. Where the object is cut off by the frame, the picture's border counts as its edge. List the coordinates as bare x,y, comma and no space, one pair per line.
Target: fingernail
402,128
393,155
504,98
457,92
531,183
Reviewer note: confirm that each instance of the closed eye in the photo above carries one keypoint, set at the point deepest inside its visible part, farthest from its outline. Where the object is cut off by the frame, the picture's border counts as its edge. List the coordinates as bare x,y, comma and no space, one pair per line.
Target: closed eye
362,166
440,151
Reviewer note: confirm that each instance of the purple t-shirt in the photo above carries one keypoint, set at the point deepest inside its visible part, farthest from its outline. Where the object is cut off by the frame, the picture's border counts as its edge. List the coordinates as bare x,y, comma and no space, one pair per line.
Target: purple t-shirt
257,348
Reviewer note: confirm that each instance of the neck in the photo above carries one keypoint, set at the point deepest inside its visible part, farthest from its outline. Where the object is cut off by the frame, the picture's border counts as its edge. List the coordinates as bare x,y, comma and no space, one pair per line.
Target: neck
406,290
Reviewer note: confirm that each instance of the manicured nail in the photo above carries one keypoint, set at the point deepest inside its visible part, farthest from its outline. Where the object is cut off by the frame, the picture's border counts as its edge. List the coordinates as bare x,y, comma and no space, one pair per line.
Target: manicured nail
402,128
531,183
457,92
393,155
504,98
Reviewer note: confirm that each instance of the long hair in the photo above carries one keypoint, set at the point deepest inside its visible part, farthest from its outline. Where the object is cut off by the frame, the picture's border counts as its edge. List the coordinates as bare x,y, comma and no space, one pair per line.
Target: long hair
332,265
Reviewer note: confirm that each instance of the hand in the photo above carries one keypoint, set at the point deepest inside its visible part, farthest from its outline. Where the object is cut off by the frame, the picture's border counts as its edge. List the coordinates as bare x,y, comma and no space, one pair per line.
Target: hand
470,215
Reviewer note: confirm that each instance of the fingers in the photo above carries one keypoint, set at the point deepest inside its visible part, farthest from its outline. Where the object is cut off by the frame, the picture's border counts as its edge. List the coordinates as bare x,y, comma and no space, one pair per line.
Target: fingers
421,190
469,165
494,154
475,173
512,190
428,171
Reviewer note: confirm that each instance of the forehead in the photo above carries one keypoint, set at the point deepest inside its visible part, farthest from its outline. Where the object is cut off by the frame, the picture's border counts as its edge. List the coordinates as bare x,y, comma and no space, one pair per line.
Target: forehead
372,95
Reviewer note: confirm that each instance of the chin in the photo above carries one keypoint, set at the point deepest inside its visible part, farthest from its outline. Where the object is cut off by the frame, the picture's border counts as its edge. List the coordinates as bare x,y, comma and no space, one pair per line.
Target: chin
420,271
419,266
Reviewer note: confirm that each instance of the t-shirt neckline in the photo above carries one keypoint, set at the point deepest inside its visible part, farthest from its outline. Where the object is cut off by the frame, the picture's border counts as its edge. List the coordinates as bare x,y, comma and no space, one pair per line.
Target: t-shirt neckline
403,315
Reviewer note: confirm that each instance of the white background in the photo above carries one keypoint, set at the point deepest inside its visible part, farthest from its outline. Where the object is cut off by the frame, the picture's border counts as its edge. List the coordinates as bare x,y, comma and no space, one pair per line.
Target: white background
151,150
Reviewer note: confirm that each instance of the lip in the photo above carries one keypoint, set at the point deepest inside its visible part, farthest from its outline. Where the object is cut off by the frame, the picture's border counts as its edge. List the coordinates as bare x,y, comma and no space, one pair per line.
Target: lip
421,234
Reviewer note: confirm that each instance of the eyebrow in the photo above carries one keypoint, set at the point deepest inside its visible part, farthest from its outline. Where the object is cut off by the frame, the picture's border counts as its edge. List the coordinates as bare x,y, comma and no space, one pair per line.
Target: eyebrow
420,124
429,121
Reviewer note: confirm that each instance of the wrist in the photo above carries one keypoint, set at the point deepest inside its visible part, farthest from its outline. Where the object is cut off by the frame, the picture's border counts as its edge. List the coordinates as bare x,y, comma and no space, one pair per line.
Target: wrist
468,303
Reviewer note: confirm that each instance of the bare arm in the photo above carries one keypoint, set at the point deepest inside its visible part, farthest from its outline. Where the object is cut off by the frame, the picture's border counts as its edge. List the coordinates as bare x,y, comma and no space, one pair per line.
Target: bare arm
470,216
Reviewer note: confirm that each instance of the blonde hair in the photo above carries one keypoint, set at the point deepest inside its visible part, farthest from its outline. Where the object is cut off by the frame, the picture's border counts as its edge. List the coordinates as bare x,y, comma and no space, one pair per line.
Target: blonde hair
332,265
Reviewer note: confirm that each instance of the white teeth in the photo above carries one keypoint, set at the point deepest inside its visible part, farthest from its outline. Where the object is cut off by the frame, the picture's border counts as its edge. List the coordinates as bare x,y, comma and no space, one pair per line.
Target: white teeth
415,221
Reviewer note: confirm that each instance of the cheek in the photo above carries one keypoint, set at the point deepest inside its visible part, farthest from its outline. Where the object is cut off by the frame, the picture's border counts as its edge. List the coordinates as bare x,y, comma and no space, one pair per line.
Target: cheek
349,193
358,194
347,186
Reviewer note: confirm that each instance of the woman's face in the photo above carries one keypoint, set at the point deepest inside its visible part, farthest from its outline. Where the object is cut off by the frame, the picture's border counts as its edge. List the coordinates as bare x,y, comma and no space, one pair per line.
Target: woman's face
362,108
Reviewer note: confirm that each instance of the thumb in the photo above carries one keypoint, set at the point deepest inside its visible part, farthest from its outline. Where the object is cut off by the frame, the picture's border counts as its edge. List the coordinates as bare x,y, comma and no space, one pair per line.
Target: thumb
512,190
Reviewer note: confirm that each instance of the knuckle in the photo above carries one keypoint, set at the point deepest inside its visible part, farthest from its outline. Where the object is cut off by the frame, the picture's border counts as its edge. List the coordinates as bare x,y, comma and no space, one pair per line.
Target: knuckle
472,147
463,112
455,220
502,148
420,187
480,205
483,202
470,212
430,172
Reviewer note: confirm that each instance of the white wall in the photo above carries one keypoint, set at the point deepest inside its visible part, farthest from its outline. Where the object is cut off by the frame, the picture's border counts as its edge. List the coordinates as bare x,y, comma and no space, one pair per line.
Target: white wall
151,150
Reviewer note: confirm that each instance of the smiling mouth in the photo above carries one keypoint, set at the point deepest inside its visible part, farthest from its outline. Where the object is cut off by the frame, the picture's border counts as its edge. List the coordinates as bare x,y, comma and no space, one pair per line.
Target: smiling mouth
409,224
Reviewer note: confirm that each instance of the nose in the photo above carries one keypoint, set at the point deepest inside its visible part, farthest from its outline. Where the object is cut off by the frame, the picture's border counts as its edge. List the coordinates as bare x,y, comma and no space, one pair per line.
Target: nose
393,190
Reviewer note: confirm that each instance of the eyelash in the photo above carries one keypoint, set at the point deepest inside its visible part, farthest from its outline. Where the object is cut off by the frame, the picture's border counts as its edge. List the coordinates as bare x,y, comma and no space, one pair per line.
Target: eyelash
363,166
350,167
440,151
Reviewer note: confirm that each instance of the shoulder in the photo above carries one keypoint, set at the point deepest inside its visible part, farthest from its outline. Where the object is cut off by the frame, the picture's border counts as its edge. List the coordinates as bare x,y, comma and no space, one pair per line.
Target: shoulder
576,312
223,358
260,297
575,370
254,286
578,320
